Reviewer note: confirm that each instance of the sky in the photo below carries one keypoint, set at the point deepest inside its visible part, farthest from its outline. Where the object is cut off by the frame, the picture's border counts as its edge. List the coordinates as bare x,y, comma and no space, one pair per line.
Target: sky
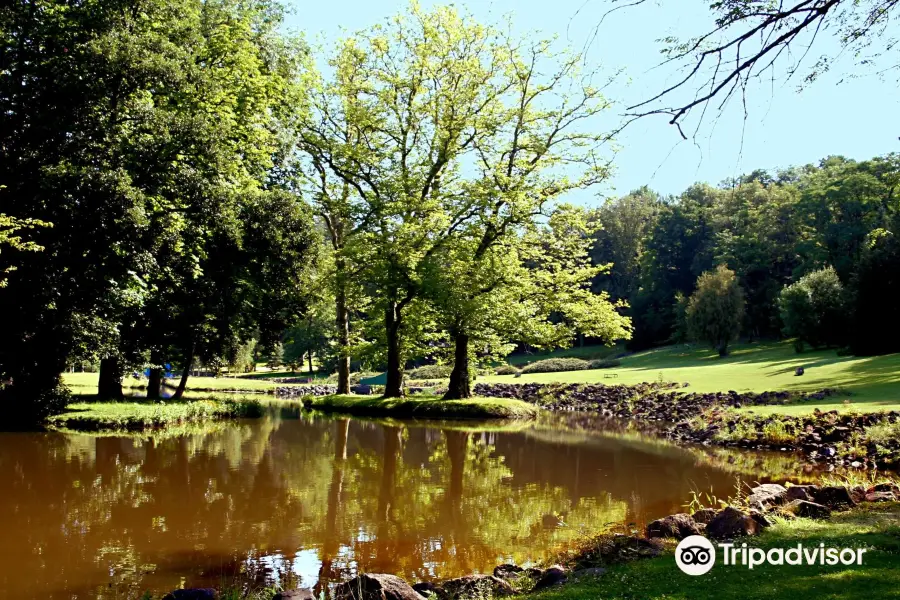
857,117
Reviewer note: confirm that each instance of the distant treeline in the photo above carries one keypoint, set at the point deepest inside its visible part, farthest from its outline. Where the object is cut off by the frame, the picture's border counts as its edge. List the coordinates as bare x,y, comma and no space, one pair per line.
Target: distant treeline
771,229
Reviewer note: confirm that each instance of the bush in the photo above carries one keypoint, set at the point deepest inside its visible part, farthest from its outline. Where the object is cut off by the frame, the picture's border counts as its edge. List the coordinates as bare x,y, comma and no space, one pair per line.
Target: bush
604,363
555,365
430,372
506,370
813,309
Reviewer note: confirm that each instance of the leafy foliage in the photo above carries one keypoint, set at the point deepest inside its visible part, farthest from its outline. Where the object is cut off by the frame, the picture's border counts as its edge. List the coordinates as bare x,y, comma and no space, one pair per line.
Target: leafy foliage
814,309
715,310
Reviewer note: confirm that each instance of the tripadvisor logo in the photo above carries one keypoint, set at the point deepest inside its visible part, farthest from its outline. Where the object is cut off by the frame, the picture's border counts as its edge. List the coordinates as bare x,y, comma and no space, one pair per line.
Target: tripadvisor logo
696,555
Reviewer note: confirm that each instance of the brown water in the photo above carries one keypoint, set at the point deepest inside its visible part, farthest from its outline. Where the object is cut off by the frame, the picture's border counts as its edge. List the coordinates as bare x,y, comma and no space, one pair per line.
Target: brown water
309,501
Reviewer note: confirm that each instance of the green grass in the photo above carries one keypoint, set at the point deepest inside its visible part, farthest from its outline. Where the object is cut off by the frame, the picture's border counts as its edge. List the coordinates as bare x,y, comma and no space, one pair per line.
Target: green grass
583,352
873,383
875,527
139,416
78,381
424,407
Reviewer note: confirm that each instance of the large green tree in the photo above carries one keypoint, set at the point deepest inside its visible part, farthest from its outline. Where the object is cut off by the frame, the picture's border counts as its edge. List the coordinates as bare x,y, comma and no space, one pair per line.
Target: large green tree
716,309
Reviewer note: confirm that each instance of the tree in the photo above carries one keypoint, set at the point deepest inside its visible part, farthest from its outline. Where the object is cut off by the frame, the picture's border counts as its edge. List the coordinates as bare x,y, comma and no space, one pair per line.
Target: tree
429,128
715,310
752,39
814,310
533,287
875,288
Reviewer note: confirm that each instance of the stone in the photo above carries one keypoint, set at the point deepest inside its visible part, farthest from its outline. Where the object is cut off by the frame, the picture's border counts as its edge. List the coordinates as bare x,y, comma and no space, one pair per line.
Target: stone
551,576
760,518
704,515
731,523
810,510
475,586
299,594
677,526
858,493
376,586
505,571
880,497
799,371
885,487
800,492
765,496
835,497
192,594
426,588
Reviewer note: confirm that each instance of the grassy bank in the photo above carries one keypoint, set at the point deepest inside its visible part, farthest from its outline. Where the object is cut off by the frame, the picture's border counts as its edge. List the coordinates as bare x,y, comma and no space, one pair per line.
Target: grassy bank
872,383
873,526
424,407
140,416
88,381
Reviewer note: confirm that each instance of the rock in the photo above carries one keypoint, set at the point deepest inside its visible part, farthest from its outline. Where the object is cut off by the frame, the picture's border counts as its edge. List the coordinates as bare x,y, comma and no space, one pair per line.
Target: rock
730,523
475,586
799,371
810,510
376,586
760,518
426,588
764,497
590,573
505,571
362,389
704,515
300,594
885,487
858,493
193,594
880,497
677,526
551,576
800,492
835,497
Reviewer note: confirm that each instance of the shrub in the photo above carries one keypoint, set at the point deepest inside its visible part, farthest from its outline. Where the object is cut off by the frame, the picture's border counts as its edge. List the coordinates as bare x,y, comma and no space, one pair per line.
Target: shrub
813,309
506,370
430,372
604,363
554,365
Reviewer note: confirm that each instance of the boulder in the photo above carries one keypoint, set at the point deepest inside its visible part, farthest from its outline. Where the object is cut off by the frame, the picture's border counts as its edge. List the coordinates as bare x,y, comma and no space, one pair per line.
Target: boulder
704,515
731,523
835,497
551,576
810,510
193,594
376,586
800,492
505,571
799,371
677,526
760,518
885,487
880,497
300,594
477,586
767,495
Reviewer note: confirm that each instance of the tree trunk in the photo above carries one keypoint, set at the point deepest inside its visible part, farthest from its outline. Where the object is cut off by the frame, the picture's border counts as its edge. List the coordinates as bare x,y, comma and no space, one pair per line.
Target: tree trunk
185,373
459,377
109,387
310,364
393,388
154,384
723,349
343,331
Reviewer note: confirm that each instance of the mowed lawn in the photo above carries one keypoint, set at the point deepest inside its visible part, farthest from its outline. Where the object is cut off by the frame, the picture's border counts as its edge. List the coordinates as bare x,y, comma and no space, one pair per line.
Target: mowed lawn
79,381
872,383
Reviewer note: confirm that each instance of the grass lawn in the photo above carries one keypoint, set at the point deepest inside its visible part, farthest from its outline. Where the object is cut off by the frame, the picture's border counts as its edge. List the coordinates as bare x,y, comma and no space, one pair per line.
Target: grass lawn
78,381
424,407
137,416
584,352
875,527
873,382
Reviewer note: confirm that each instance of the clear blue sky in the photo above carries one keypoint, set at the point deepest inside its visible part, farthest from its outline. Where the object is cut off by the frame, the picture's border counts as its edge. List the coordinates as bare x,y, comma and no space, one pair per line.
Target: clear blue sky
859,118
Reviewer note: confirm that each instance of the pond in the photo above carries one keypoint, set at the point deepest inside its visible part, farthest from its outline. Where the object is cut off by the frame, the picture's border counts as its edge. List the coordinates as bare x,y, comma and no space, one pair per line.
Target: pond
308,500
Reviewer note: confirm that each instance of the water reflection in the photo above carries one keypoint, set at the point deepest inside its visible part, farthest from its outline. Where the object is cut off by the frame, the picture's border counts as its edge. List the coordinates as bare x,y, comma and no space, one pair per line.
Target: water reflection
313,500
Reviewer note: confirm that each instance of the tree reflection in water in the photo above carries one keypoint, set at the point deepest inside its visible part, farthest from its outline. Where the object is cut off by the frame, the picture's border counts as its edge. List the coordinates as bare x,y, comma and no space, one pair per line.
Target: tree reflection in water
310,501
